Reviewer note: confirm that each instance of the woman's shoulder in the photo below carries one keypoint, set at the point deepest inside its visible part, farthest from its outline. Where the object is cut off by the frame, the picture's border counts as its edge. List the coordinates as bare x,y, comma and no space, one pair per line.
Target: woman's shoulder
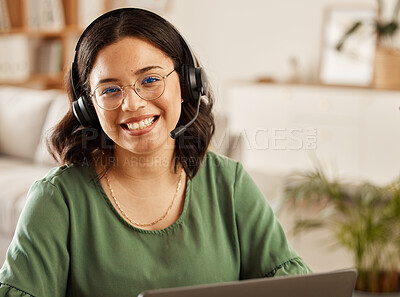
64,185
219,162
219,168
69,175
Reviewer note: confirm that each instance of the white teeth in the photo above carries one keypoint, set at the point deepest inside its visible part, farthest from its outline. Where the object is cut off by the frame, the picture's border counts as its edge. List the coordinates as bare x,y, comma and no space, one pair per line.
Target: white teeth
140,125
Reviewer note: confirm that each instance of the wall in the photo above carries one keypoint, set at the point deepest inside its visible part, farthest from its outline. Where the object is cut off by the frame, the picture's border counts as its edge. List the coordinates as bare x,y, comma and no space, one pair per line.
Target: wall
242,40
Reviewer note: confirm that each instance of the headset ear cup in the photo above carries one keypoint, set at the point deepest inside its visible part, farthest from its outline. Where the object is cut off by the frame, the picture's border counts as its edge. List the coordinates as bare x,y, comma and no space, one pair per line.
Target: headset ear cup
201,81
193,83
193,79
186,82
84,112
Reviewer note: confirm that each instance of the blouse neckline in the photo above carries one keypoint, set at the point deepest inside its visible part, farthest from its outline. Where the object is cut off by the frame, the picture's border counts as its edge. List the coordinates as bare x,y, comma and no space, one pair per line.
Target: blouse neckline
178,222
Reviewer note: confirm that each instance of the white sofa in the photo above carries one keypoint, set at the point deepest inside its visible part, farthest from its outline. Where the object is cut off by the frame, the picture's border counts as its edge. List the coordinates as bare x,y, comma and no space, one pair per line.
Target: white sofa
26,115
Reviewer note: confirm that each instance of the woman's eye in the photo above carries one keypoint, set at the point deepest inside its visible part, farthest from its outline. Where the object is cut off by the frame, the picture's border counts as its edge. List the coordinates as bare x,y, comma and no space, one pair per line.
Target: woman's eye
150,79
111,90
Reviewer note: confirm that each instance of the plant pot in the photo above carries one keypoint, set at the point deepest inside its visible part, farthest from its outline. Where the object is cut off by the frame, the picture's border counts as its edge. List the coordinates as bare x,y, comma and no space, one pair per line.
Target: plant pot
386,68
378,282
368,294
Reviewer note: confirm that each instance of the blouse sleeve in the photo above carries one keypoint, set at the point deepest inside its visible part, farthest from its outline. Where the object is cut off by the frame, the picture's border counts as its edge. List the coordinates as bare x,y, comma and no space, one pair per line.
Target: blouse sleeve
264,248
37,259
9,291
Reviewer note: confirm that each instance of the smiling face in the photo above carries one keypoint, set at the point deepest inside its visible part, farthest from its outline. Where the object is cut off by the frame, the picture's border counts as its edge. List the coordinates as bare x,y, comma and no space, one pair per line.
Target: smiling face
137,126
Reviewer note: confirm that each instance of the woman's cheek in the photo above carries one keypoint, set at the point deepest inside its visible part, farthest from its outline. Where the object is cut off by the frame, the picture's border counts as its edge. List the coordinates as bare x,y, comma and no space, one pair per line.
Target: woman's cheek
107,121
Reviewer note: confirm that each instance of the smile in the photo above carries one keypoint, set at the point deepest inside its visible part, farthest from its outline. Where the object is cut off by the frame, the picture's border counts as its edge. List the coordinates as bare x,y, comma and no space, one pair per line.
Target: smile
140,125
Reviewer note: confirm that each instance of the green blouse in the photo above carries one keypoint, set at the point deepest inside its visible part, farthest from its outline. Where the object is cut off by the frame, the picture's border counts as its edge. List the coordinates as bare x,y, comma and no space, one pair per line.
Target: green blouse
71,241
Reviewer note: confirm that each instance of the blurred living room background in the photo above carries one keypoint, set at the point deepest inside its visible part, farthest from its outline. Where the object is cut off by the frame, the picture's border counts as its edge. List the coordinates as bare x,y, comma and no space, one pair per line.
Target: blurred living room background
299,84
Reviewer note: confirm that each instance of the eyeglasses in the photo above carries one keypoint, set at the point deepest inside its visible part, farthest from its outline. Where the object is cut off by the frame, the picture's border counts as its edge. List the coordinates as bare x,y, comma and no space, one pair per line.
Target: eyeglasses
148,86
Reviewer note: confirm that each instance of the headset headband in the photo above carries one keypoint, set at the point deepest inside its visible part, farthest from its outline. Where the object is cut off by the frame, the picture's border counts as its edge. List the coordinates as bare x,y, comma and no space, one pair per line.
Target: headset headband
115,12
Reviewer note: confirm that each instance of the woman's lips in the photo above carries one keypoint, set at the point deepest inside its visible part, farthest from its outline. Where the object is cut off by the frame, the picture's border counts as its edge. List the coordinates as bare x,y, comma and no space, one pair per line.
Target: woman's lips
140,127
140,124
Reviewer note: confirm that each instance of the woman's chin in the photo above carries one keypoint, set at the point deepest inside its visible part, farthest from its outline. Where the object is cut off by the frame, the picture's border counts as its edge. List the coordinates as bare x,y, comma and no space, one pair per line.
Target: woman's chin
147,147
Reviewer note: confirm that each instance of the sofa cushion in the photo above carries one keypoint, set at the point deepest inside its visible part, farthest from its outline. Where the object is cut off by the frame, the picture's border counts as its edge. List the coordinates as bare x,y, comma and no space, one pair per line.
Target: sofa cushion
22,114
16,177
58,108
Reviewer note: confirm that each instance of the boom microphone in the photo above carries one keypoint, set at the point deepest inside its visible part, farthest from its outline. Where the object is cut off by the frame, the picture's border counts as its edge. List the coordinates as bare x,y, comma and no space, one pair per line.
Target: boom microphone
181,129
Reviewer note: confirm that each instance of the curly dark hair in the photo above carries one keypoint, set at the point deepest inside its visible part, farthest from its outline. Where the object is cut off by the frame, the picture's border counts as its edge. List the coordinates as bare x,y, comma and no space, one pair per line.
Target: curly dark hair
70,142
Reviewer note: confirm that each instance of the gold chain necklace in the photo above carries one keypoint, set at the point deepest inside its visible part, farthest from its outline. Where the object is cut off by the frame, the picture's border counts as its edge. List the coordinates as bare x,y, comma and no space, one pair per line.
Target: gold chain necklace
178,187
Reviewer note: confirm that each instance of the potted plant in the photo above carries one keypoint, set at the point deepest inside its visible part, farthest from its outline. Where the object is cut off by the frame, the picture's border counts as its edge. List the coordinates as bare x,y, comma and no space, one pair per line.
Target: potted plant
387,53
363,218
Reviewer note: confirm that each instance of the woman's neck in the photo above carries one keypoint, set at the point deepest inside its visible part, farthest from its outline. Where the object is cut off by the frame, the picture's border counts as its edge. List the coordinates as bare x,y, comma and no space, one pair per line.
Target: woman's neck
144,167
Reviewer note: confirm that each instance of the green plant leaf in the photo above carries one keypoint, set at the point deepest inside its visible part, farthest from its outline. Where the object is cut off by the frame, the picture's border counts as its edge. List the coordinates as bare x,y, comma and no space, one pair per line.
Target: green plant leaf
346,35
387,29
362,217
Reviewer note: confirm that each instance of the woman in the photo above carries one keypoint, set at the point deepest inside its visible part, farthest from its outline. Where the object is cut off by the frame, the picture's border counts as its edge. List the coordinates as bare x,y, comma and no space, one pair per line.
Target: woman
134,209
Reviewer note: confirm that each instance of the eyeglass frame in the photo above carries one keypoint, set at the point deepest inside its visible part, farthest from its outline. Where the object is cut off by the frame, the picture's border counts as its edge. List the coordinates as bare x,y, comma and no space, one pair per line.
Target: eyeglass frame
92,95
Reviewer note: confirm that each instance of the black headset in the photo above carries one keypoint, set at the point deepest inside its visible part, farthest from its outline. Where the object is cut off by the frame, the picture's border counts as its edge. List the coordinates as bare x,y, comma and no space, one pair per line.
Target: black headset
194,79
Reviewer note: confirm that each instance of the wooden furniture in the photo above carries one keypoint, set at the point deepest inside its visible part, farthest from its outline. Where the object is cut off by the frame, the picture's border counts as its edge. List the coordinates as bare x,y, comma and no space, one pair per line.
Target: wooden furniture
37,55
353,132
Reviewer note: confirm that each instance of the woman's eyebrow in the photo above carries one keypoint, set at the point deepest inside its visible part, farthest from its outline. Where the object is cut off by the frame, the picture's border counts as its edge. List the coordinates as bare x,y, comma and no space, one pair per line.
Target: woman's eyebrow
106,80
145,69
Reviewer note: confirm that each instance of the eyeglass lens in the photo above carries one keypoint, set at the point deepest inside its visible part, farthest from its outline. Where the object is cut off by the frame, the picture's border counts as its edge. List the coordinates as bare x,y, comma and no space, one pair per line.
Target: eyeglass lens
148,87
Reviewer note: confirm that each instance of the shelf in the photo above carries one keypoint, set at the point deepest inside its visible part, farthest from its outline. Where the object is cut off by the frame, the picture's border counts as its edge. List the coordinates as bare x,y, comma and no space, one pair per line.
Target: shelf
33,49
43,33
39,81
309,84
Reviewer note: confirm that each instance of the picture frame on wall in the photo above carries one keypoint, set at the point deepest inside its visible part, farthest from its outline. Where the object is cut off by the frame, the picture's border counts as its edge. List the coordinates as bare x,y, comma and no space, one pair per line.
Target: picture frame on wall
353,64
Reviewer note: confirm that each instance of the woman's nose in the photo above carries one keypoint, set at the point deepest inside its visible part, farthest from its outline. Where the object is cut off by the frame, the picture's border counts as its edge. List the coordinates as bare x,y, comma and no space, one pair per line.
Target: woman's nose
132,101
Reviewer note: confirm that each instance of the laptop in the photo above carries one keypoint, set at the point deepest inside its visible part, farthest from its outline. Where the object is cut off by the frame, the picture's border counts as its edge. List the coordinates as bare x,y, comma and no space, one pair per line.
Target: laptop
339,283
